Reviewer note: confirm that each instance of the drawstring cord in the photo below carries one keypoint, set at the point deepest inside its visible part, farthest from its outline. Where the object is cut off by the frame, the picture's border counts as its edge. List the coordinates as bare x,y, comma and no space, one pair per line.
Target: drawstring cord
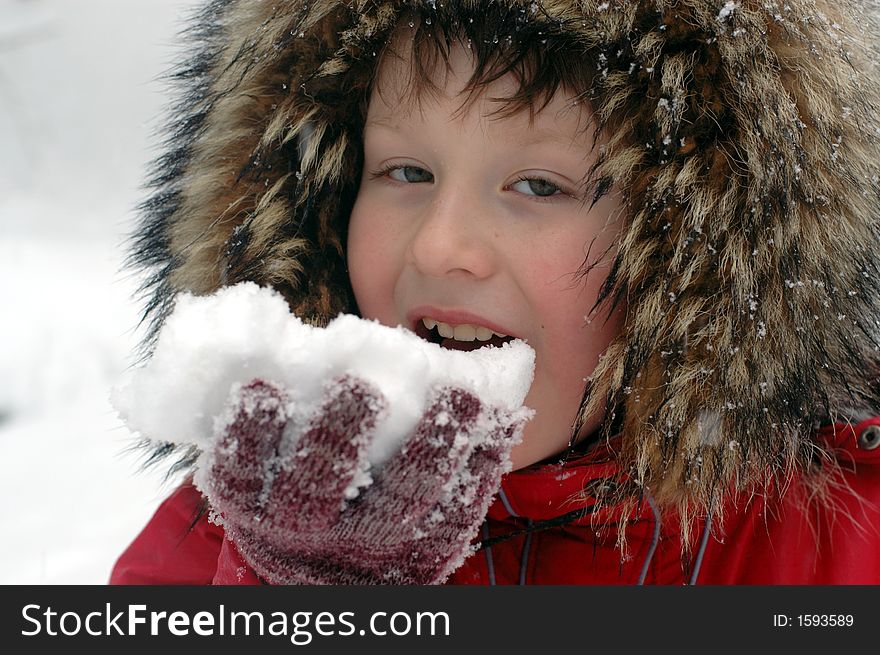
536,526
489,563
506,503
527,544
654,541
704,541
524,557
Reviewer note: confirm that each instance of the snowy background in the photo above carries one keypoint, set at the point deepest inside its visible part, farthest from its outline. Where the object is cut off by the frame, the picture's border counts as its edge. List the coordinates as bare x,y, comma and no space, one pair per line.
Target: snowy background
80,100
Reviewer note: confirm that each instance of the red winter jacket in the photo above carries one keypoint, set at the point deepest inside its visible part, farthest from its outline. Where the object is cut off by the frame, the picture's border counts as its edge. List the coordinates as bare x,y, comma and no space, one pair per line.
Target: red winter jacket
763,540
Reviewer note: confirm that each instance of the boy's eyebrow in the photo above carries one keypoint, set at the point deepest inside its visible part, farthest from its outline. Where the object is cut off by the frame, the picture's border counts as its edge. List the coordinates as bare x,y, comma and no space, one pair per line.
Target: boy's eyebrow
390,121
382,122
530,137
537,137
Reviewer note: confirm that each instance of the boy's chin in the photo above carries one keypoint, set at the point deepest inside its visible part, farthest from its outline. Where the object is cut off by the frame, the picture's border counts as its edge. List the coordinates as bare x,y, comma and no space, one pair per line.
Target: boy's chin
525,454
520,459
544,442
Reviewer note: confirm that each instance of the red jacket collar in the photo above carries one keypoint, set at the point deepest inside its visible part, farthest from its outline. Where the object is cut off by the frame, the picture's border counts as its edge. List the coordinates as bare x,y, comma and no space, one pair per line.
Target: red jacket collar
548,490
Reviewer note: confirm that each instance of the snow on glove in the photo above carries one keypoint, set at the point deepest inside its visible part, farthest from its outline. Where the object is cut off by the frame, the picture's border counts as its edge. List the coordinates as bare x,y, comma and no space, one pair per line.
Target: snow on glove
286,486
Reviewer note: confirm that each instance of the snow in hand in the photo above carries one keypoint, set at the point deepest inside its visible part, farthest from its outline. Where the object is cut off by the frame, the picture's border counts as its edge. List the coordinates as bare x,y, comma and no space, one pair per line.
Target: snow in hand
212,345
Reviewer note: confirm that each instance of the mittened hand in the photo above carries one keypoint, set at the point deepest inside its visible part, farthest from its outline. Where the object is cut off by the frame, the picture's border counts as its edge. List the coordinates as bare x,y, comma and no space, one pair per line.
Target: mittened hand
289,487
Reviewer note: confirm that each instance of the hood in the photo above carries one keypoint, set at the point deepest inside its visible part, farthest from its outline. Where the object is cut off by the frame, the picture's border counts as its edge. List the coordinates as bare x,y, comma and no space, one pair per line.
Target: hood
744,144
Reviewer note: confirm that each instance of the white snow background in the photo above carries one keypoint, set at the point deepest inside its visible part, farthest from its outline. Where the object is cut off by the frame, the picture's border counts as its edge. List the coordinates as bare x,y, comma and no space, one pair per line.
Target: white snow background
80,98
80,101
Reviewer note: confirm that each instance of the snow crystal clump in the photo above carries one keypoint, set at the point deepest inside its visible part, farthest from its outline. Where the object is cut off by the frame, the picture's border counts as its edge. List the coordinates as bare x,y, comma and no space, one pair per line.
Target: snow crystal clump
726,11
211,345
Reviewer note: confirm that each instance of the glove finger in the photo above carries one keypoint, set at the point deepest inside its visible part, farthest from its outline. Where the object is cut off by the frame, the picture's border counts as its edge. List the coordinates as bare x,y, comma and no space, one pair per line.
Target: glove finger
414,478
462,509
321,468
490,459
444,534
247,446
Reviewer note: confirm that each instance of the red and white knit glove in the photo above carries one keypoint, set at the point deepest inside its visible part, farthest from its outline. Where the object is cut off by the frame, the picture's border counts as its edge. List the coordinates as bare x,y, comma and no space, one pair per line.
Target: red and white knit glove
284,502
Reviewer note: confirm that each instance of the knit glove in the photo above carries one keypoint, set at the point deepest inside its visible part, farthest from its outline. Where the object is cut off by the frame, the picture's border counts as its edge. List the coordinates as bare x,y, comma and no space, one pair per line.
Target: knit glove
288,487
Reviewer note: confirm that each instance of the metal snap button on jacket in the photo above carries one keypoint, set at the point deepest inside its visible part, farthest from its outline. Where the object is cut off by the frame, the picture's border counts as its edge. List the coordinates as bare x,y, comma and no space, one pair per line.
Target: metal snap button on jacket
869,438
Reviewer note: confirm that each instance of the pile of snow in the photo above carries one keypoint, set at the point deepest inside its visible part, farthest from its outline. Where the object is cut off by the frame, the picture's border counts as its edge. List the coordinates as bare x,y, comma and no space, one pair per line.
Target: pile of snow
212,345
79,98
73,491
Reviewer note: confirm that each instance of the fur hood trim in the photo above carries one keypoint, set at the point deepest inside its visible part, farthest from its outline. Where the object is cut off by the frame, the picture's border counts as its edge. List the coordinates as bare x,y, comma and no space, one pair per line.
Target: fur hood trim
745,144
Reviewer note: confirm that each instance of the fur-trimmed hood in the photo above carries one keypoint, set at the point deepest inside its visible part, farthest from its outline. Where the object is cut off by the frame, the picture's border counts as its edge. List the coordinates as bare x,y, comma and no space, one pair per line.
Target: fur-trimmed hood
745,142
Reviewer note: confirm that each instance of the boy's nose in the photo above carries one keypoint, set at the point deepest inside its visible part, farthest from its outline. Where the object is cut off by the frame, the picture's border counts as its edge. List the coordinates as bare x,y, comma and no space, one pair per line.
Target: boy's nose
453,236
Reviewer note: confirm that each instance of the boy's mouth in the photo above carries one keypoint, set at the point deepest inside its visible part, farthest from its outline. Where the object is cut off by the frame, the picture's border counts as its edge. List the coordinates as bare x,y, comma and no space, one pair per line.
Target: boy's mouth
462,337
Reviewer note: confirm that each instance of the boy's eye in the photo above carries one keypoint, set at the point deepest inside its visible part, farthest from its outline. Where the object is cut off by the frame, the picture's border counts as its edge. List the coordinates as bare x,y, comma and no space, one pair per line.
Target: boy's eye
410,174
536,186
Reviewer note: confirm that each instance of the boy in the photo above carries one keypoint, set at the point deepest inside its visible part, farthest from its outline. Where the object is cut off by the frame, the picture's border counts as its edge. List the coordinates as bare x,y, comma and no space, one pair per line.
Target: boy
673,203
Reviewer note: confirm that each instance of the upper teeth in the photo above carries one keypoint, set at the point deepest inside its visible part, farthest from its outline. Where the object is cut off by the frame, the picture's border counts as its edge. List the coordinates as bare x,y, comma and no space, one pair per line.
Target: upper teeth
465,332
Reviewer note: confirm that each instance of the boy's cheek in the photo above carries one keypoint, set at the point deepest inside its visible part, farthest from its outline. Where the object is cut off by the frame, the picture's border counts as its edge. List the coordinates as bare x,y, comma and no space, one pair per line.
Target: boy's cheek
565,358
364,257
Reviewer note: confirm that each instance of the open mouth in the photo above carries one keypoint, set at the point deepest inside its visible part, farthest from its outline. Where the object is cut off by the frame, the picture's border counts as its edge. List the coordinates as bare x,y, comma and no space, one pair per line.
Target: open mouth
433,335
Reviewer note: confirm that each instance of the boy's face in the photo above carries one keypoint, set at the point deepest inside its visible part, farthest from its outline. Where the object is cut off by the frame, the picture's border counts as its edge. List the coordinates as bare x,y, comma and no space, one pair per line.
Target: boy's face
475,220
